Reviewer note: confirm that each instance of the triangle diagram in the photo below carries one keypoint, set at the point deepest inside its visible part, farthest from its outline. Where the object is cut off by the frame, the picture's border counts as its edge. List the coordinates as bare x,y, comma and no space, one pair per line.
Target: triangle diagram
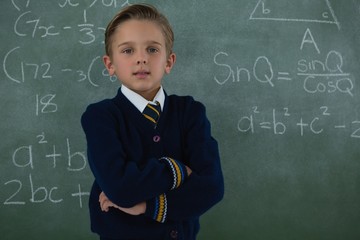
295,11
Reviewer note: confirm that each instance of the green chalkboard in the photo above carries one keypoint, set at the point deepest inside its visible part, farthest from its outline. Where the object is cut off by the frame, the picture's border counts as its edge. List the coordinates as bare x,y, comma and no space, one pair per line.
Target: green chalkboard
280,80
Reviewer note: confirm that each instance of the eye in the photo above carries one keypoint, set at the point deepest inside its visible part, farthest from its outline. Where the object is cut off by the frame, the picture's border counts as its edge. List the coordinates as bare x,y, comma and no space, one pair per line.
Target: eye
152,50
127,51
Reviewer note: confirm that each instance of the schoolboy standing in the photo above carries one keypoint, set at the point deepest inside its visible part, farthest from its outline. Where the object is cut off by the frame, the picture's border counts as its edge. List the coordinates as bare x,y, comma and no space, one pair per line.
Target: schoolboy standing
156,165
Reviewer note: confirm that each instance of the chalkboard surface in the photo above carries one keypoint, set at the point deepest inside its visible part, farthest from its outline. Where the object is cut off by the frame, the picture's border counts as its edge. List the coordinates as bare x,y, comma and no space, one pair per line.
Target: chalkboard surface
280,80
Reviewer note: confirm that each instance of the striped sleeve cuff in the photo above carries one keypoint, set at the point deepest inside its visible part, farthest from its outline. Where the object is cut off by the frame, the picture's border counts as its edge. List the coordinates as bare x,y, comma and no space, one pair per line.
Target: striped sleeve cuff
157,208
178,171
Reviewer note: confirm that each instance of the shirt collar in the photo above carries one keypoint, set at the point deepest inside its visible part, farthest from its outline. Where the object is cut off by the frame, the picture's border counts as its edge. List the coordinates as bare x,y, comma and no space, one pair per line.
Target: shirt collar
140,102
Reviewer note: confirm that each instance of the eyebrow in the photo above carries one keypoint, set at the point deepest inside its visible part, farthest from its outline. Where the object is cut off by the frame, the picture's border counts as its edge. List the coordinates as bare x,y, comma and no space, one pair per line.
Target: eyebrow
148,42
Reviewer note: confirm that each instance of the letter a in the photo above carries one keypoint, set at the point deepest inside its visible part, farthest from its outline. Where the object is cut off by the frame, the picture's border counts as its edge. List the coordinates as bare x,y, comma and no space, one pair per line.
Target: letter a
308,38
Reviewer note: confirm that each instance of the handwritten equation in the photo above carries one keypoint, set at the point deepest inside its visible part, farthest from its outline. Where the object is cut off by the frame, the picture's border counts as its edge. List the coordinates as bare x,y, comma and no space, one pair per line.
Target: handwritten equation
29,24
37,70
280,120
29,157
317,76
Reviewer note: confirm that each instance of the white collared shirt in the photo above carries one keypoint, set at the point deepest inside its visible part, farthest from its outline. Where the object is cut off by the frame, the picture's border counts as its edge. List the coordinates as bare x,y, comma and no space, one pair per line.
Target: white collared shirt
140,102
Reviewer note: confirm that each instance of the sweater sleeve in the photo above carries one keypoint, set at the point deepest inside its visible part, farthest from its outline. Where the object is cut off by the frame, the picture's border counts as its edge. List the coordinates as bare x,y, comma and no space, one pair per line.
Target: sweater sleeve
121,179
205,186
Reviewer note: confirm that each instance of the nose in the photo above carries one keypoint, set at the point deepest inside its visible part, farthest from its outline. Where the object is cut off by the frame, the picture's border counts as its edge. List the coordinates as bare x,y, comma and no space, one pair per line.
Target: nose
142,58
141,62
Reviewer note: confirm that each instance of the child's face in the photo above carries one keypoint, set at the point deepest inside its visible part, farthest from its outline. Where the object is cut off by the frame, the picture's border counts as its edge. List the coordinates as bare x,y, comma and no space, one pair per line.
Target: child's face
139,58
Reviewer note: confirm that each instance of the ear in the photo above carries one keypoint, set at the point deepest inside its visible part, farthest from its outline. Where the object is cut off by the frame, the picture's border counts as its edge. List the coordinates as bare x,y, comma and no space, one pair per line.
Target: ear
170,63
108,64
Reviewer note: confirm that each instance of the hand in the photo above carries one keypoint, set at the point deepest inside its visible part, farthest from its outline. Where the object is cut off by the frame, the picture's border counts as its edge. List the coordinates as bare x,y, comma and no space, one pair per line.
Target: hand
105,203
138,209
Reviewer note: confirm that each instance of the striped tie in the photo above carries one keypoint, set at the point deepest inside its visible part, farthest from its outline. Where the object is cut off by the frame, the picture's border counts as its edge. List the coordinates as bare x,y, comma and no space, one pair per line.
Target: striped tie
152,112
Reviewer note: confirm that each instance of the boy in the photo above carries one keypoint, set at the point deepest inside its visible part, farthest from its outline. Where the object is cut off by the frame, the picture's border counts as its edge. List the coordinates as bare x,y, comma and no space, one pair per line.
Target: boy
157,167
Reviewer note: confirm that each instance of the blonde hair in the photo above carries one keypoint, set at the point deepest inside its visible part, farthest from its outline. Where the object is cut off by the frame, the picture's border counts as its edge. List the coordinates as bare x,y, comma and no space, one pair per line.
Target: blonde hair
140,12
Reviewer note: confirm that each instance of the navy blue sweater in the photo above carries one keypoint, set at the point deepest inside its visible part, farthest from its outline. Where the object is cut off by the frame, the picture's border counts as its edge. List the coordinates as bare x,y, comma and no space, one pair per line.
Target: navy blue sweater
134,162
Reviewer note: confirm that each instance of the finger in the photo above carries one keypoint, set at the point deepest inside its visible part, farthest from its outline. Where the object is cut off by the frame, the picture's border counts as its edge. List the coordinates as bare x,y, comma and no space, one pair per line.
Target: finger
102,196
188,170
104,204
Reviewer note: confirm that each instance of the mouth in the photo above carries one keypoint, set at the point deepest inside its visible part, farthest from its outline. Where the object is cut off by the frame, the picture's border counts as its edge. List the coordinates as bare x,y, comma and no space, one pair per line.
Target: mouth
141,74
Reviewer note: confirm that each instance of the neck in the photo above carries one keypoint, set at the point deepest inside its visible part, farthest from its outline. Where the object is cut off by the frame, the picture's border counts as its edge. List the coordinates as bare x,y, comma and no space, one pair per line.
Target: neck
150,95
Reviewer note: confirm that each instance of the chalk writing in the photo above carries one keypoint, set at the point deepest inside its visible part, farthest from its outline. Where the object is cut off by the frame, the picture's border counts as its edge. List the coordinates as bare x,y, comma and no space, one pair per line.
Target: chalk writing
45,70
20,4
263,12
39,194
42,155
262,71
28,24
24,157
317,76
106,3
68,3
309,39
45,104
325,76
281,119
80,194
